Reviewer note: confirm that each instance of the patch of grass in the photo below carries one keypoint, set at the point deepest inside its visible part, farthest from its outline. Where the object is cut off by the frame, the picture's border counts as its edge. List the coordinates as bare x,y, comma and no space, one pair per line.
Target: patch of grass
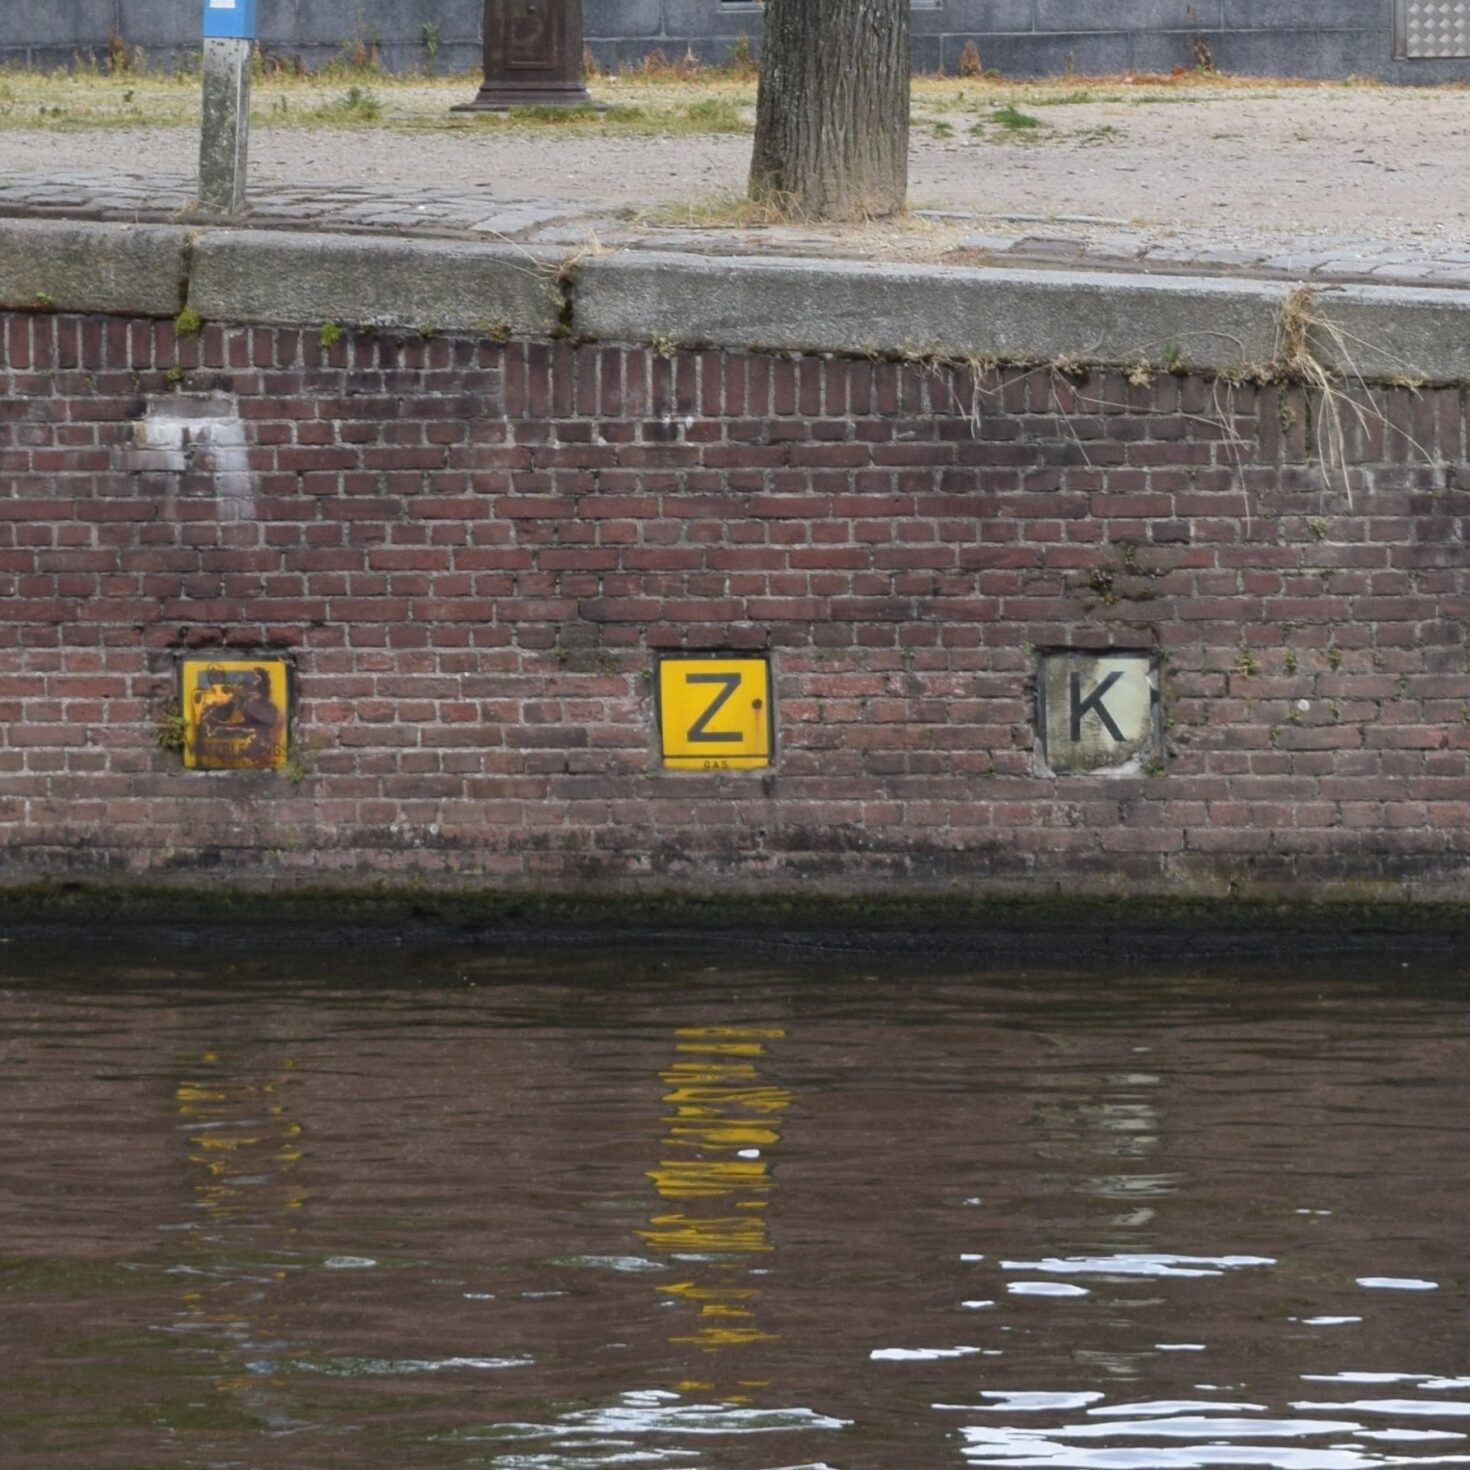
120,56
715,115
719,211
1008,124
1096,136
1077,97
1013,119
360,55
561,117
658,97
57,102
970,65
646,117
355,105
739,65
657,67
944,94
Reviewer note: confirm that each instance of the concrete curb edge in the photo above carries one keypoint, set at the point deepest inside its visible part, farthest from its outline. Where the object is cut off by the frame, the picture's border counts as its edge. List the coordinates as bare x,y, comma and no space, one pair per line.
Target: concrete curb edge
1210,325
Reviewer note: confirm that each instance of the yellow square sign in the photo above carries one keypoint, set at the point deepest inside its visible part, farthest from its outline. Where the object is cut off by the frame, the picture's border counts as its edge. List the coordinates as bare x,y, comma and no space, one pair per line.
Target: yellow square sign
235,713
714,714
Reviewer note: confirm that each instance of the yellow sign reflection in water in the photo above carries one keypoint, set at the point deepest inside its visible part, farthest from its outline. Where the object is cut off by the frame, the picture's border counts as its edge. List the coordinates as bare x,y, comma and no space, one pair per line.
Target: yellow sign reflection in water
723,1119
245,1148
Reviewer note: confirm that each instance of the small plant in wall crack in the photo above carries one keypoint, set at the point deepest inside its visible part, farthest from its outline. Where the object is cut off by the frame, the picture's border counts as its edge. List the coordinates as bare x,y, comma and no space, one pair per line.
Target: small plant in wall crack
1301,330
171,731
1204,61
1142,374
1101,582
300,762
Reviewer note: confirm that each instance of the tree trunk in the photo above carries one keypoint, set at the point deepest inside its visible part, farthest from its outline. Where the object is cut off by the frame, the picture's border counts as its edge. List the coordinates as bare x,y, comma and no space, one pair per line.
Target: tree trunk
832,113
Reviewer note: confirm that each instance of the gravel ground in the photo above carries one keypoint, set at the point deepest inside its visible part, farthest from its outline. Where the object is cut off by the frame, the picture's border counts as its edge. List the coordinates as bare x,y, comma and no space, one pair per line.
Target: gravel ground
1239,167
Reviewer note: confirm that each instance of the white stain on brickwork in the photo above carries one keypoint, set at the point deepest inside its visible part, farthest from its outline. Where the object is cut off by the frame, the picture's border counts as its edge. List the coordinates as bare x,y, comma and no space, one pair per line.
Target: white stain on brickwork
202,439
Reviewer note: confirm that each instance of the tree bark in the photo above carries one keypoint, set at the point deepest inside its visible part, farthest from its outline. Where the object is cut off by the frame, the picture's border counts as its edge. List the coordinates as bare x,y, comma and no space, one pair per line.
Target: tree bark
832,111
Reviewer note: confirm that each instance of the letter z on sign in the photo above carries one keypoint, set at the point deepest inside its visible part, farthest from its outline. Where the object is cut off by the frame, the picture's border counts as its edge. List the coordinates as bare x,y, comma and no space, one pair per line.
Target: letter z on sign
714,714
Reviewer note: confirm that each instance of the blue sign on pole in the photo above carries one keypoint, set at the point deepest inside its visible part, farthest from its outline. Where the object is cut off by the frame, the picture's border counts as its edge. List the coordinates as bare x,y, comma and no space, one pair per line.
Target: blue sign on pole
230,18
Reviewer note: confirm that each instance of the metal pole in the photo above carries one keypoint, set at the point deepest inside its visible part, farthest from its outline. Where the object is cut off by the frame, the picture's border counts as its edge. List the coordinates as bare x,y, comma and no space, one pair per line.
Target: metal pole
224,138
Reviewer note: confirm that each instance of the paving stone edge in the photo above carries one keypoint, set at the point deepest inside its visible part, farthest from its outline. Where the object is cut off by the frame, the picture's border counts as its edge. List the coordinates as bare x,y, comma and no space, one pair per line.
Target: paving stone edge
1206,324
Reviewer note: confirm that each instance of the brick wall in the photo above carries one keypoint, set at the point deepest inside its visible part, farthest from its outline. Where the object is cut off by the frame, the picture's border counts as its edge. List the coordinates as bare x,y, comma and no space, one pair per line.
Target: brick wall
474,551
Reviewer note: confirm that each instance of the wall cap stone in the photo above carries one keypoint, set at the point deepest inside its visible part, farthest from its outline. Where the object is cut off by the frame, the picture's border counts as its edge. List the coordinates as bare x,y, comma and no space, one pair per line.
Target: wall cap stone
1213,325
1210,324
289,279
74,265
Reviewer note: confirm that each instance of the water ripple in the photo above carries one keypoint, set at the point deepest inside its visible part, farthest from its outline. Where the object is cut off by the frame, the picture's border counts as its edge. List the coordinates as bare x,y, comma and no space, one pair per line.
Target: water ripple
1140,1264
1447,1407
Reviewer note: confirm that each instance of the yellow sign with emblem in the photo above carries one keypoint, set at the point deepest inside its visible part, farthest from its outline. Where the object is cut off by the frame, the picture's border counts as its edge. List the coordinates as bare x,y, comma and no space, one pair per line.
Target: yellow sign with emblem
714,714
235,713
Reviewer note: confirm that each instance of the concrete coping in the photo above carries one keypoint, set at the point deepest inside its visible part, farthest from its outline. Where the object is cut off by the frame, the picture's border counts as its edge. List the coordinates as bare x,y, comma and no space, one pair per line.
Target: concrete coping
1210,325
69,265
293,279
1204,324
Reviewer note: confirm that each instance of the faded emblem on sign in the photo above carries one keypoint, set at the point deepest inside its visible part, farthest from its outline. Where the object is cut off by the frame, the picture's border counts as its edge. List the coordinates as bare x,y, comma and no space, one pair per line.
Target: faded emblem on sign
235,713
1098,712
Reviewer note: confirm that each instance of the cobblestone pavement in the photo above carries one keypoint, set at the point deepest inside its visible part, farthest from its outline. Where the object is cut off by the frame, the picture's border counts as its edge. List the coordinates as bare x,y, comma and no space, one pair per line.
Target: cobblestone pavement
957,237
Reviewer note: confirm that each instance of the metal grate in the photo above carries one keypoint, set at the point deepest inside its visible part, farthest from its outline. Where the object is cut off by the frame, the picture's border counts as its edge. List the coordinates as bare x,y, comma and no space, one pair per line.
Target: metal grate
1432,29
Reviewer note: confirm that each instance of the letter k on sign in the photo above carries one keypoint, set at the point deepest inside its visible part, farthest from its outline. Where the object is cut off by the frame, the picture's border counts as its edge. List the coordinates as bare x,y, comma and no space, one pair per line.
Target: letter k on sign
1098,712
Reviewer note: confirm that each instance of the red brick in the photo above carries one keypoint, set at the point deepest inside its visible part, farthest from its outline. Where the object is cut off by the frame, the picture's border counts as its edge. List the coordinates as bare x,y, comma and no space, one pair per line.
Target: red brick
473,552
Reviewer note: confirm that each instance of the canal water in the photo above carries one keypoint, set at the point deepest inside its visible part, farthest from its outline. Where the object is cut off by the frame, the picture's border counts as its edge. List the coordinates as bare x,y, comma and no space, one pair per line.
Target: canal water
525,1212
